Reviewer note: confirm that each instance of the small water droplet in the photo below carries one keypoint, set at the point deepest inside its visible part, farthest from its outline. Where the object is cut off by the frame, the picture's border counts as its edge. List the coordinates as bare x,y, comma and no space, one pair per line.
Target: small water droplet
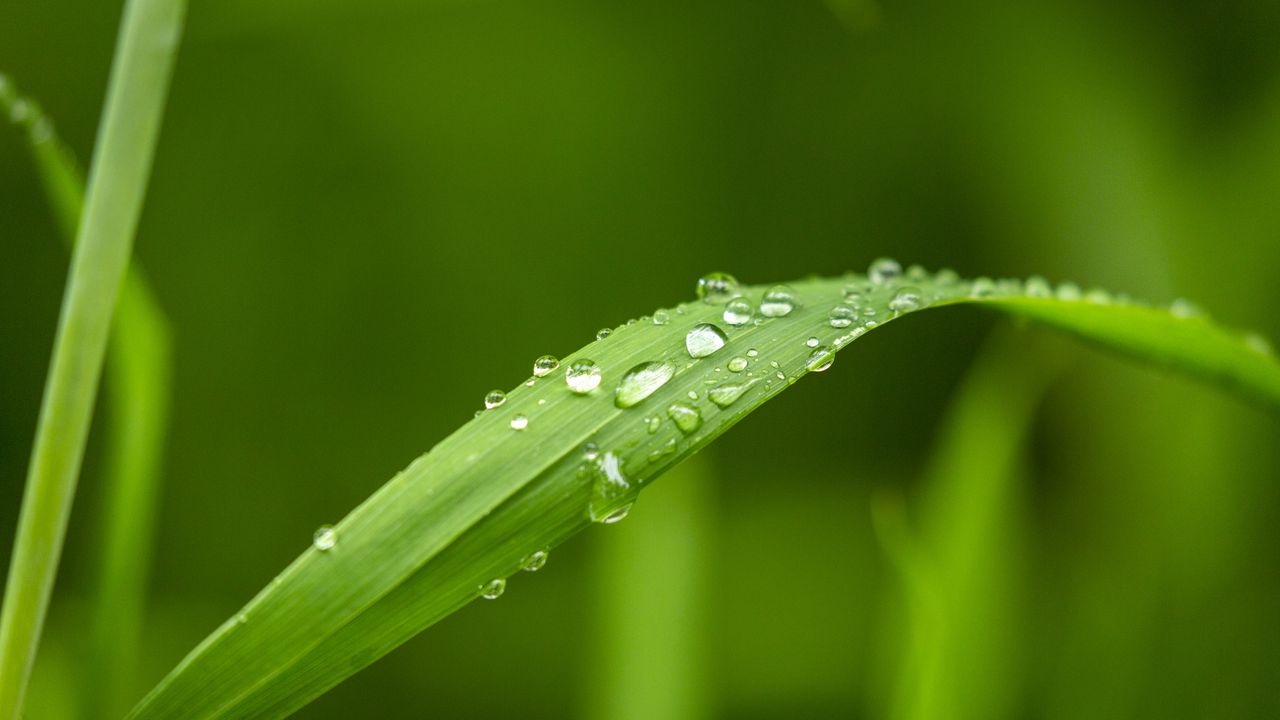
1098,296
493,589
982,287
583,376
946,276
667,448
241,618
884,271
1038,287
494,398
685,416
752,352
728,393
325,538
704,339
717,288
642,381
603,333
778,301
545,365
534,561
531,382
1183,308
610,488
1068,291
906,299
821,359
781,375
519,422
661,317
737,364
692,395
841,316
812,342
1259,344
617,515
652,423
917,273
738,311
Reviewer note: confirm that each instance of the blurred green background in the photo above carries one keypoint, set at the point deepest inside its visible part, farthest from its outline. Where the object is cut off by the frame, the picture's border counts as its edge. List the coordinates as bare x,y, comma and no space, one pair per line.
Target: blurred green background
365,215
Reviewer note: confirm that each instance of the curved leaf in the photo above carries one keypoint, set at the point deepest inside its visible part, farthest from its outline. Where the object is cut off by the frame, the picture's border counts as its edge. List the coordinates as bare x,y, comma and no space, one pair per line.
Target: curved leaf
489,494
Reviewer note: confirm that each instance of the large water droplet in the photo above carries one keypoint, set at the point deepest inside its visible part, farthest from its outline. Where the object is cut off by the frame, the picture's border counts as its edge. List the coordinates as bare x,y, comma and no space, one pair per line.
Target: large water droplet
494,398
519,422
685,416
778,301
884,271
842,316
728,393
820,359
583,376
534,561
906,299
717,288
704,339
545,365
738,311
642,381
610,488
493,589
325,538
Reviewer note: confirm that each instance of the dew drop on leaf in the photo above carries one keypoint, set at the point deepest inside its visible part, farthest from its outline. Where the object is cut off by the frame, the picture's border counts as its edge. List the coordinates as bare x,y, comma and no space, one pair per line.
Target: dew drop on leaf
603,333
493,589
642,381
906,299
811,342
583,376
704,339
737,364
610,488
494,398
778,301
519,422
728,393
738,311
661,317
884,271
545,365
717,288
820,359
685,416
534,561
841,316
325,538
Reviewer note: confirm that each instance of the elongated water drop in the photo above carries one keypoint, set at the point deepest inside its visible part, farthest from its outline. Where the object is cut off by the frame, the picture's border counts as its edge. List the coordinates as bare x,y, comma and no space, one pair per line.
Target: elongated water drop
820,359
642,381
906,299
685,416
652,423
728,393
884,271
583,376
617,515
534,561
717,288
704,339
841,316
494,398
778,301
325,538
493,589
545,365
738,311
519,422
610,488
737,364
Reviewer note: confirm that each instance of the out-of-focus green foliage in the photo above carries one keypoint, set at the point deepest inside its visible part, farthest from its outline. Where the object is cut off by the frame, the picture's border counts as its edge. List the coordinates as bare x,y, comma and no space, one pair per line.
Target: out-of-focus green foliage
333,176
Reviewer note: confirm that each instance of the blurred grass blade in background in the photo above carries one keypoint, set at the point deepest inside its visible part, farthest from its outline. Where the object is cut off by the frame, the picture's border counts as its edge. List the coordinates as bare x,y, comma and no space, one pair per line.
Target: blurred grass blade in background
138,369
146,47
577,442
960,568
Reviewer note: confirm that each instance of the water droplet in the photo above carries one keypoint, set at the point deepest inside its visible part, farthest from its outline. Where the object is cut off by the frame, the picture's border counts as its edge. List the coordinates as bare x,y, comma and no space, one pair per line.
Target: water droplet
752,352
946,276
519,422
1183,308
652,423
692,395
855,293
841,316
738,311
1098,296
982,287
778,301
610,488
493,589
704,339
642,381
821,359
737,364
242,618
668,448
811,342
1038,287
685,416
545,365
603,333
917,273
494,398
1259,344
534,561
1068,291
590,452
884,271
661,317
906,299
617,515
728,393
717,288
325,538
583,376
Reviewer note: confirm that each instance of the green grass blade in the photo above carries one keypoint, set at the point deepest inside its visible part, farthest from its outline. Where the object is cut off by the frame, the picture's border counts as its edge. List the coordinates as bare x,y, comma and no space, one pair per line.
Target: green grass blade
130,125
651,643
517,478
138,368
